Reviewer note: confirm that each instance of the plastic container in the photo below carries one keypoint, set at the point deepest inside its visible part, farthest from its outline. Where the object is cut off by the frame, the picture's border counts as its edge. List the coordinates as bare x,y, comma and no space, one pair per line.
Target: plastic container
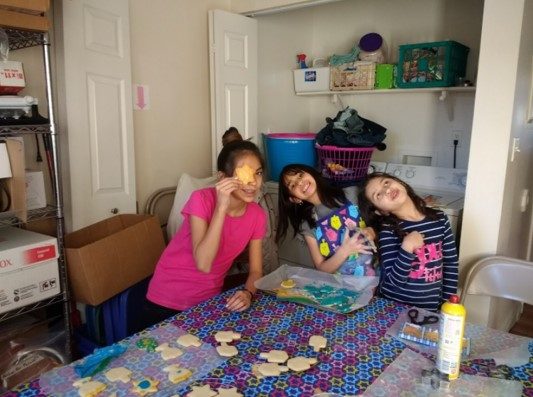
344,164
287,148
311,79
384,76
436,64
353,76
452,325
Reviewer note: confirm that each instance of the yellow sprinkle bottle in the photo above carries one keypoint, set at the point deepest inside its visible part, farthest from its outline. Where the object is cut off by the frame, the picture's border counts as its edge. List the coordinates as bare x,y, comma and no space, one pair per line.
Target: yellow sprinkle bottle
452,325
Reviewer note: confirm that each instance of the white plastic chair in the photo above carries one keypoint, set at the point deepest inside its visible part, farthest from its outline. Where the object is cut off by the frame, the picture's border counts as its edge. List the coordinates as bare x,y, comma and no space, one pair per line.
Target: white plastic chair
501,277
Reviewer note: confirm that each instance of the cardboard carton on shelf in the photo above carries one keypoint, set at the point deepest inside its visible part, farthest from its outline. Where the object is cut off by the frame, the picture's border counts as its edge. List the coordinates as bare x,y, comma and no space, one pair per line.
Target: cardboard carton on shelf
110,256
24,14
28,268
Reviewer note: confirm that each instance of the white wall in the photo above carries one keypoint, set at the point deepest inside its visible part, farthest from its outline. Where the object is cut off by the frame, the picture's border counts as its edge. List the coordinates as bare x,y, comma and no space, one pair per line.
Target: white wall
492,221
169,51
418,123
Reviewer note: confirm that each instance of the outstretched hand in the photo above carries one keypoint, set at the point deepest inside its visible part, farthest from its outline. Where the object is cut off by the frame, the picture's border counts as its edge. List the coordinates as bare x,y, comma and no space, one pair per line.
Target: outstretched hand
239,301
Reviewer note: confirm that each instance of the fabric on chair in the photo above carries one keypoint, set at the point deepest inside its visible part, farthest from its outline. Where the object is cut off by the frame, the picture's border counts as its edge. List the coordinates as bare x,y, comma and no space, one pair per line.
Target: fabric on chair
186,185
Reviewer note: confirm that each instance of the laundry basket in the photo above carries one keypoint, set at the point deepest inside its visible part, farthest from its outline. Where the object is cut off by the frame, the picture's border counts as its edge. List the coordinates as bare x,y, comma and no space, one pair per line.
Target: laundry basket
344,164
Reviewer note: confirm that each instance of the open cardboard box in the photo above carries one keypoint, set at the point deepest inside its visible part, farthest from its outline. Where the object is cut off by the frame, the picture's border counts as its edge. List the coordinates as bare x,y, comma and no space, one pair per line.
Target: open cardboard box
24,14
110,256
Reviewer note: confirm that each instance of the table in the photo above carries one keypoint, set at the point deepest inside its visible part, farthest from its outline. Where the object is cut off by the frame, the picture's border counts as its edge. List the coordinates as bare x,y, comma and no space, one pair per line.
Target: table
358,349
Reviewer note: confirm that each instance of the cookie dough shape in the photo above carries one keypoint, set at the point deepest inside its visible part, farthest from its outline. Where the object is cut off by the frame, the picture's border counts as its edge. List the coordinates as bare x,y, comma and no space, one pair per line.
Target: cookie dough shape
202,391
288,283
227,336
167,352
189,340
275,356
145,386
317,342
177,374
226,350
298,364
89,388
270,369
231,392
245,174
121,374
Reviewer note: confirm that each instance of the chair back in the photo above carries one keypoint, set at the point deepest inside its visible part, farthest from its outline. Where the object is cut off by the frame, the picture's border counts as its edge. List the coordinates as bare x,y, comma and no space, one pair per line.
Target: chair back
500,277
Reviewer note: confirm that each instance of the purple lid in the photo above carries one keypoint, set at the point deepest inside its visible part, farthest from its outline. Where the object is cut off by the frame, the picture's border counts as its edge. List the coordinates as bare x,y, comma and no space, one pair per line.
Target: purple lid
370,42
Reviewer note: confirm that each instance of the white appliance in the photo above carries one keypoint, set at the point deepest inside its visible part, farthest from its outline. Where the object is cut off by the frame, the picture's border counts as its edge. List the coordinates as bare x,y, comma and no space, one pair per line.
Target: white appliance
442,188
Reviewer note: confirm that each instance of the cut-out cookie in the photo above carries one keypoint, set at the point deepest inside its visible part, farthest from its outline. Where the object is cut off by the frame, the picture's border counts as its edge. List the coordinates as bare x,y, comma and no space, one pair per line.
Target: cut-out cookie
148,344
167,352
226,350
89,388
202,391
288,283
317,342
232,392
227,336
298,364
121,374
269,369
245,174
177,374
275,356
189,340
145,386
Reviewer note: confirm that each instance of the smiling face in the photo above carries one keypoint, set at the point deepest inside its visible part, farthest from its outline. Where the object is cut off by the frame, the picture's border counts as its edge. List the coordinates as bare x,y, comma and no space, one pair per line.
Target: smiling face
386,194
302,186
254,170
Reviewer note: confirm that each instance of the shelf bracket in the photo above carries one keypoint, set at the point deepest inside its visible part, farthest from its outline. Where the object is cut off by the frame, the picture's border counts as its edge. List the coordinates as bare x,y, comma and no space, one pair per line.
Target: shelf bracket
443,95
448,102
336,99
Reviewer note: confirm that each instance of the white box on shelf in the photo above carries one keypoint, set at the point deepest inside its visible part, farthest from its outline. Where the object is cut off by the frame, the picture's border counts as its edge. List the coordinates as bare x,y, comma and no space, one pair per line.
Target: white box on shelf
35,193
311,79
28,268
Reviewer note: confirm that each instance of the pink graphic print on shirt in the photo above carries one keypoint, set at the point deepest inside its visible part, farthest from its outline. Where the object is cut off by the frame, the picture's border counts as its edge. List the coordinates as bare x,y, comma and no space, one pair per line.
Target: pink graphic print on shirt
426,254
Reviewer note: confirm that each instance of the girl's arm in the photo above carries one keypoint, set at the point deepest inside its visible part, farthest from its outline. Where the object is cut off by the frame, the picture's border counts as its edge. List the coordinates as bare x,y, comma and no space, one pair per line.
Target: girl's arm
450,267
396,257
206,236
350,245
242,299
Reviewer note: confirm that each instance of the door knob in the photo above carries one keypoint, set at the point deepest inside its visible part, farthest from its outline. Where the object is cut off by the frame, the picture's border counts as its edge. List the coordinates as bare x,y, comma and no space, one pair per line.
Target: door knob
114,211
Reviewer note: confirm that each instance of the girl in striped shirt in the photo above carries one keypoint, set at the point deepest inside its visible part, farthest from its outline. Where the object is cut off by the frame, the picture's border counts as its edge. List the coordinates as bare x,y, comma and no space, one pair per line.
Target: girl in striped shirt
416,245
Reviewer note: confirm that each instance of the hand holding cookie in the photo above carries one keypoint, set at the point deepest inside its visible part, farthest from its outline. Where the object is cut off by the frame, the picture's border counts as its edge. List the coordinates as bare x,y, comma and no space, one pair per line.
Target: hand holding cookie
224,188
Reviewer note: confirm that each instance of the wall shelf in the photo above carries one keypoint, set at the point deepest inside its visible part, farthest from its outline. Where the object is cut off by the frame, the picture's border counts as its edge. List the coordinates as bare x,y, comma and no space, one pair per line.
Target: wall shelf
443,91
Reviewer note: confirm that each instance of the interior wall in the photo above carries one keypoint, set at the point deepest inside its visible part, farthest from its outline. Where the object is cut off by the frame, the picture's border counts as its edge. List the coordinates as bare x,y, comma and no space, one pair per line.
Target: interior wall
169,54
418,123
489,209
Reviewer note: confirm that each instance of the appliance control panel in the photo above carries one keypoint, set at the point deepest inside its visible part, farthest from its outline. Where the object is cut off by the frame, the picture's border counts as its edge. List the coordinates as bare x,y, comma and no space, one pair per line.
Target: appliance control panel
439,178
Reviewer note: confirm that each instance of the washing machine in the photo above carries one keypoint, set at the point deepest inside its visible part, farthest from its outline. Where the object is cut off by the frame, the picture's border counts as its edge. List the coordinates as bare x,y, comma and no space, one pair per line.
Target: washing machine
440,187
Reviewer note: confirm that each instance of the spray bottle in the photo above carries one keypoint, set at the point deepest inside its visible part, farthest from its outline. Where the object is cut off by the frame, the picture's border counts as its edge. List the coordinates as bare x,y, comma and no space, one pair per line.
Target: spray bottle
452,325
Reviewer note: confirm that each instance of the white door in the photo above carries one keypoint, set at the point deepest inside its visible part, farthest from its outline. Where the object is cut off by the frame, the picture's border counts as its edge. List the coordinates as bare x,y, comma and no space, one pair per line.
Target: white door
233,72
94,49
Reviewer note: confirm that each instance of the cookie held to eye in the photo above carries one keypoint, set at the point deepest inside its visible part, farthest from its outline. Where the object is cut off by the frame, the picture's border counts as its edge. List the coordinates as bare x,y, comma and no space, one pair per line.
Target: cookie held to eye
245,174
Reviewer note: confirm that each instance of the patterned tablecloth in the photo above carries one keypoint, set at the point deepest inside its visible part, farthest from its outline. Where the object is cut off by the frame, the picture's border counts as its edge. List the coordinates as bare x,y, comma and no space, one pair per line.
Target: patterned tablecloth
358,349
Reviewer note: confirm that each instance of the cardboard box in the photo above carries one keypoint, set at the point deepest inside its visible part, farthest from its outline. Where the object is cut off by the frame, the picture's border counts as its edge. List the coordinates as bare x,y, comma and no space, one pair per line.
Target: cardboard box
16,185
35,193
28,268
311,79
33,7
23,21
11,77
106,258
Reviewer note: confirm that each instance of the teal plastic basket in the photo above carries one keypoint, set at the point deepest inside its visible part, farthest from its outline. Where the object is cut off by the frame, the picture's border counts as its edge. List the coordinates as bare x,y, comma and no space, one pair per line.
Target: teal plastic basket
436,64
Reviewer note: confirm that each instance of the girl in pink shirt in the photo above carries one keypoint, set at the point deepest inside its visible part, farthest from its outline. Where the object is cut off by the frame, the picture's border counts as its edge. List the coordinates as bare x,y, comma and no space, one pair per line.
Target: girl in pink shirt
219,223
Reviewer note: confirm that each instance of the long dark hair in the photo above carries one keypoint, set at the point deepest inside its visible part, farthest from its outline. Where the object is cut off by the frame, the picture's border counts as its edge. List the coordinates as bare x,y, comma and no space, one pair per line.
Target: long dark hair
296,214
234,150
379,221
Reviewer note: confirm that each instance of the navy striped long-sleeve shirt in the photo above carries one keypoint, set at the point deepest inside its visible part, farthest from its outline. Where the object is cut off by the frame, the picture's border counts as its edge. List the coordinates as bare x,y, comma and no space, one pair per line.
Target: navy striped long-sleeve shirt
426,277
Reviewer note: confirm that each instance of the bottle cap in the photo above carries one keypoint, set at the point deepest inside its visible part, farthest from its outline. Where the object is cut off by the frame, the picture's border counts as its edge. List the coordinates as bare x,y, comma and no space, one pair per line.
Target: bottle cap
454,299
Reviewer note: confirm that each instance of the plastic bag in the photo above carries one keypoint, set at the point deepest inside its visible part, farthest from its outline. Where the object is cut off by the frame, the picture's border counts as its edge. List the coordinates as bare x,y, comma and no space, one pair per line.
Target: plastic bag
4,45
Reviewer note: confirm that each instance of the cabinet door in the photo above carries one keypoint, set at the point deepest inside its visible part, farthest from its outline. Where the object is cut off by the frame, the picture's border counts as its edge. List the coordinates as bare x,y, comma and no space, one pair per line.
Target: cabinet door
233,71
97,108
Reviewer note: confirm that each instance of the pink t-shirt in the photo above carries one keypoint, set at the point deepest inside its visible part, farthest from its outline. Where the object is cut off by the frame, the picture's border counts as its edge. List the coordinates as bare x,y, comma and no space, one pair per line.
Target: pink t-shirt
177,283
